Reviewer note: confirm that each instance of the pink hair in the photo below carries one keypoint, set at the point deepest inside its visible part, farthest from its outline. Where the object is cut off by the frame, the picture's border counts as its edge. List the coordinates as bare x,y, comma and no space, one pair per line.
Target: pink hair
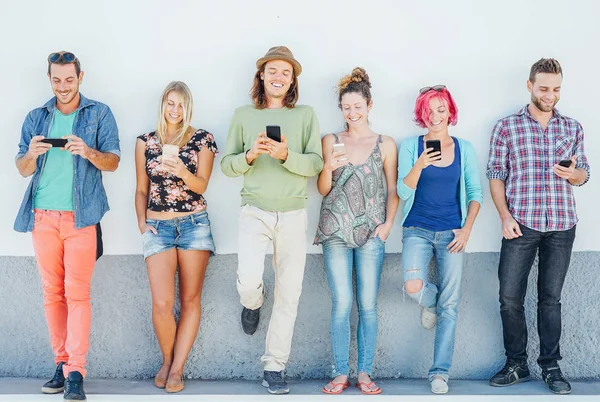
422,110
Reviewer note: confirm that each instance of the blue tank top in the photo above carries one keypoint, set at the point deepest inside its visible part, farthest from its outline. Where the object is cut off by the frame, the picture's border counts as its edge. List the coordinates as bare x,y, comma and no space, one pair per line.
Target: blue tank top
437,204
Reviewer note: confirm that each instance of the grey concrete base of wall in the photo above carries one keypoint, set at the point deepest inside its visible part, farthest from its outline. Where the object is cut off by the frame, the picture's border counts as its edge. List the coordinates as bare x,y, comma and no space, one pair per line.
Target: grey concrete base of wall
123,344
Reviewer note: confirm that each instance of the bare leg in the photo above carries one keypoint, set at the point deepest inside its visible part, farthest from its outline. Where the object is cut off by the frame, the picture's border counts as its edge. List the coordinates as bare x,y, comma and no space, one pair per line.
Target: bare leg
161,273
192,268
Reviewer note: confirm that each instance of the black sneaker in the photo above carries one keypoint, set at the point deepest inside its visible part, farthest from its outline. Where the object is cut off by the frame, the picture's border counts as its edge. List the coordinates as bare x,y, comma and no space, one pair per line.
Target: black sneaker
512,373
57,383
74,387
275,383
554,379
250,320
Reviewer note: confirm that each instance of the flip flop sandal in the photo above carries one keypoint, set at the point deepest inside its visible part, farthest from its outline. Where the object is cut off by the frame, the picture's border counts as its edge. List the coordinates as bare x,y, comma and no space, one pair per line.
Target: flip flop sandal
365,388
336,388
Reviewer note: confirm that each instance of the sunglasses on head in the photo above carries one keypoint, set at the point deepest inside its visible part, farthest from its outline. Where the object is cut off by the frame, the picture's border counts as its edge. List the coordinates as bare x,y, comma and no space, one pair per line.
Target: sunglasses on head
56,57
436,88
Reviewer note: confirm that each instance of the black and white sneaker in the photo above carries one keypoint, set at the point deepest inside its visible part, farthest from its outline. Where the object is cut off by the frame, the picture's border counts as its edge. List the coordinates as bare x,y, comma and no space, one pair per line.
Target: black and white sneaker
250,320
275,383
74,387
511,373
57,383
555,380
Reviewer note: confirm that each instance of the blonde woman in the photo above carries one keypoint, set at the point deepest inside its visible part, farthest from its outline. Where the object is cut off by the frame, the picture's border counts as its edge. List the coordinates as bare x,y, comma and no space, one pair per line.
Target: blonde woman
173,167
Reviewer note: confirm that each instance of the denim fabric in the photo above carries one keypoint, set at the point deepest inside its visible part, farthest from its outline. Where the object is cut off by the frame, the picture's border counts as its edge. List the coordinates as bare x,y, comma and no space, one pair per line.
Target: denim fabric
94,124
191,232
419,246
339,262
516,258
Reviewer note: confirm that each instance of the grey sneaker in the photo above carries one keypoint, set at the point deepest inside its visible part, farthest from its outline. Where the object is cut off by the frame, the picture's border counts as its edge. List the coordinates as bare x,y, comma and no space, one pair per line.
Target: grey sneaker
428,317
555,380
439,385
275,383
511,373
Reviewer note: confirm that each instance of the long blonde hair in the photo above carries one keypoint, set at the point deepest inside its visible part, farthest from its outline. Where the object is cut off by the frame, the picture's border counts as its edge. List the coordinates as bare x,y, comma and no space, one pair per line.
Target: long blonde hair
188,106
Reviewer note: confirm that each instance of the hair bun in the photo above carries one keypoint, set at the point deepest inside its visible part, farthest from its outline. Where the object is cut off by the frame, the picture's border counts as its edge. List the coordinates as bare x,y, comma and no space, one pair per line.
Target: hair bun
358,75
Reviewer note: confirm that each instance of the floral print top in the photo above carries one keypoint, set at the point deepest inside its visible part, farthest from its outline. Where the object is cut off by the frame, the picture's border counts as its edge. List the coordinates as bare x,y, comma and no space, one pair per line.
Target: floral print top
169,193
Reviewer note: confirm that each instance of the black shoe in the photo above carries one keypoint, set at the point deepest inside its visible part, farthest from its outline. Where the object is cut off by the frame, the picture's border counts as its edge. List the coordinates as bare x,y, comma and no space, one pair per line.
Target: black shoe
554,379
275,383
74,387
250,320
512,373
57,383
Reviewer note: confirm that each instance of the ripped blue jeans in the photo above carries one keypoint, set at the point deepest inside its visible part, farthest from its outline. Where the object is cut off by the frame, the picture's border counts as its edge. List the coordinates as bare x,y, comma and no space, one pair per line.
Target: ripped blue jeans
419,246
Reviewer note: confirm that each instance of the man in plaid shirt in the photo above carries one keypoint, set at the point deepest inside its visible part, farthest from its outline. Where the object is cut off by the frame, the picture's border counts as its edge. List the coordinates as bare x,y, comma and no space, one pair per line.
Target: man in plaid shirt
536,157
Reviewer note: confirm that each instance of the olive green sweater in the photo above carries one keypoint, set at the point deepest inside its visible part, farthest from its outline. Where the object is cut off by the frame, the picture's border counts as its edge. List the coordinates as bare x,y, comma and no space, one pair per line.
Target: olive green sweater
269,183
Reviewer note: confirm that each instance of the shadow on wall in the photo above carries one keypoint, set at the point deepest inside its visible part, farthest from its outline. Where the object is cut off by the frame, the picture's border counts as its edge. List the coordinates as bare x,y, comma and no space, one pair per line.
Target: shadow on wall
123,344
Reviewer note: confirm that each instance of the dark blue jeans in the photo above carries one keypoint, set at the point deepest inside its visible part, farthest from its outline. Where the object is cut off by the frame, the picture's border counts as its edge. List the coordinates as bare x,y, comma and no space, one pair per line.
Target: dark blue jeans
516,258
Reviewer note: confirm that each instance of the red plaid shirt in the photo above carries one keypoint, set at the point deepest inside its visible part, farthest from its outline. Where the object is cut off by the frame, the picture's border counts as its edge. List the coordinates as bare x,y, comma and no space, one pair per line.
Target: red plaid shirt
522,154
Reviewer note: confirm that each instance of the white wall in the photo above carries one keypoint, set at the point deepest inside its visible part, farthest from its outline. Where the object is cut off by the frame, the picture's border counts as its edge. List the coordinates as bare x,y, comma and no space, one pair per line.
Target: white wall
130,50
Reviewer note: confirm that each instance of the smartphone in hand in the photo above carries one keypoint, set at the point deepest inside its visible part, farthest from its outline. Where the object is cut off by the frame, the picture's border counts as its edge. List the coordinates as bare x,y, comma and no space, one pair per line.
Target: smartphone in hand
340,147
169,150
274,133
436,145
56,142
565,163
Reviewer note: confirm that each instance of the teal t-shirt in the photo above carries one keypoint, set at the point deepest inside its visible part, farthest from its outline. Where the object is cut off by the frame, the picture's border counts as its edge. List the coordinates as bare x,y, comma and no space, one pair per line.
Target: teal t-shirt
55,191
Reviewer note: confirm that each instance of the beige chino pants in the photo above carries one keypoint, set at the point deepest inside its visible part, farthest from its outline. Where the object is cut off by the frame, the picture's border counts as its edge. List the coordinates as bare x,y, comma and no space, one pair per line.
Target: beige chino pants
287,231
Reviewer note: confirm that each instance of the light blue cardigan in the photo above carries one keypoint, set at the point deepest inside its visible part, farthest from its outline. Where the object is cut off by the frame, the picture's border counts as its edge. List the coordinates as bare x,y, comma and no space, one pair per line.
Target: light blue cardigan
470,186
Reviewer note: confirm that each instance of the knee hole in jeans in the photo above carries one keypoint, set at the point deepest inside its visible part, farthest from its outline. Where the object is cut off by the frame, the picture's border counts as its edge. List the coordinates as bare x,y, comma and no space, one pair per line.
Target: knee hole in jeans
413,285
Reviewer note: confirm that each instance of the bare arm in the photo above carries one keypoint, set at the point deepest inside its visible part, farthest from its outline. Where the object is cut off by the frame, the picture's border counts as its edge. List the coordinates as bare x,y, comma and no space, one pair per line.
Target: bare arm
390,170
331,162
199,182
142,186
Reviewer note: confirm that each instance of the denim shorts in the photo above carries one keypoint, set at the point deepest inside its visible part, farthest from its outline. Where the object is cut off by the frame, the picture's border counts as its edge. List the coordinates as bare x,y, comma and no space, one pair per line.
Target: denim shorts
191,232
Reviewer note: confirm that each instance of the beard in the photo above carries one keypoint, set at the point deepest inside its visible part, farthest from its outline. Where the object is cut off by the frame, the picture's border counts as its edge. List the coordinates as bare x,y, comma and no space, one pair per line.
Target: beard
541,106
69,99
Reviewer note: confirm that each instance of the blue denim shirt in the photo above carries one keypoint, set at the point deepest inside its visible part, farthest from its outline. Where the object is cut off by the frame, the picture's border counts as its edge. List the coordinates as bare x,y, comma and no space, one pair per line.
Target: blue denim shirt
94,124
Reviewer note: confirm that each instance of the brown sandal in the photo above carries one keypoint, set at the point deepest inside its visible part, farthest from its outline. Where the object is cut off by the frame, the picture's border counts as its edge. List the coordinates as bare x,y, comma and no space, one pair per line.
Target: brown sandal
173,388
160,382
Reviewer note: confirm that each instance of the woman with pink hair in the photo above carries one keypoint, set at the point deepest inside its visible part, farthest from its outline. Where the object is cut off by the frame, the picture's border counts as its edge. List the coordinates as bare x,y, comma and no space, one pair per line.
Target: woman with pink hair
439,180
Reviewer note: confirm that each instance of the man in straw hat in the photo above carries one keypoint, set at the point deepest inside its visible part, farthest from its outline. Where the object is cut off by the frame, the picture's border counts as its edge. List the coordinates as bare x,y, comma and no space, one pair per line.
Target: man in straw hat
276,169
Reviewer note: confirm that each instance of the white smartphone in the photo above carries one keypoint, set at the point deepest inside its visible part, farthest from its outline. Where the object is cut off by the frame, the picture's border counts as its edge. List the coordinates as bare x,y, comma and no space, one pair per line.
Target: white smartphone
169,150
340,147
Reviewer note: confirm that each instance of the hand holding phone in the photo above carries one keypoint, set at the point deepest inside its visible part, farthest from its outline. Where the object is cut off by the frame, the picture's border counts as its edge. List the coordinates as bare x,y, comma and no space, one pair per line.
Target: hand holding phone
169,151
37,147
565,163
436,145
340,148
55,142
274,133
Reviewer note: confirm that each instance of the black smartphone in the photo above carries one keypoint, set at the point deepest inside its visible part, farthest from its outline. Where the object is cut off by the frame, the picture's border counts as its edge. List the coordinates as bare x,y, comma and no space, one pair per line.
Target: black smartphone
435,144
565,163
274,133
56,142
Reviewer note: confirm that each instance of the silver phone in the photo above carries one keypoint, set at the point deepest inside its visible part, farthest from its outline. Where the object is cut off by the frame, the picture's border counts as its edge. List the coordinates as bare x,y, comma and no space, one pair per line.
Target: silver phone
340,147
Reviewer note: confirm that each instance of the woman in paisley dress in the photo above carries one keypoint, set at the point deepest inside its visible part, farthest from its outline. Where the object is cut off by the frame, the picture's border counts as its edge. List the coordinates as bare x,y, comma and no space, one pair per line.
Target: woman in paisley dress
174,224
443,196
358,183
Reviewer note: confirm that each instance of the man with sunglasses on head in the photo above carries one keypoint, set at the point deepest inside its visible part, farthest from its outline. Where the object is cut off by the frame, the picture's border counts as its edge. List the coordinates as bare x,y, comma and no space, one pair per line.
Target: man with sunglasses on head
276,166
63,203
536,157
